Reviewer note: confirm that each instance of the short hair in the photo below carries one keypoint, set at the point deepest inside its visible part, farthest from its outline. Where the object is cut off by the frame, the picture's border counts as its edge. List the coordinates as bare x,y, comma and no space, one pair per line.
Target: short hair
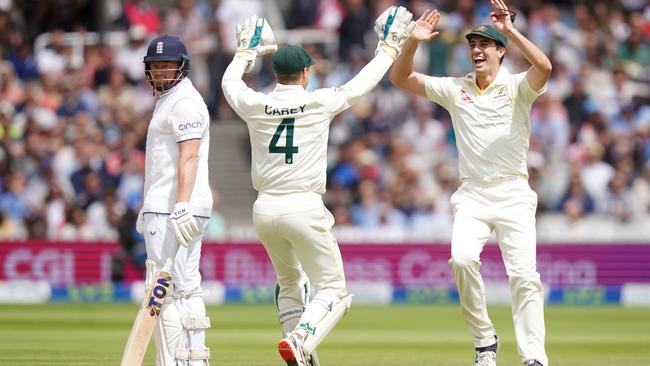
288,78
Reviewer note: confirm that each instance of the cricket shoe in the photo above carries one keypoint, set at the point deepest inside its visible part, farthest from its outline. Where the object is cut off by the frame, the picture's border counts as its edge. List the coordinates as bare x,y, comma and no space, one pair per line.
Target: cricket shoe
534,363
290,349
487,356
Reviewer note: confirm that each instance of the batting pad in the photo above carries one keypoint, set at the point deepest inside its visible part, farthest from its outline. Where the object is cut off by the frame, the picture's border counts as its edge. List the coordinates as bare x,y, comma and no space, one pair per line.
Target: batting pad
290,309
319,318
291,303
168,333
191,349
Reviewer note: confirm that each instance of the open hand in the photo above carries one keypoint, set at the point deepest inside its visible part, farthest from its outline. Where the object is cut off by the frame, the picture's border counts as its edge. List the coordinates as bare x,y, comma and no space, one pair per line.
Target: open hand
500,17
425,27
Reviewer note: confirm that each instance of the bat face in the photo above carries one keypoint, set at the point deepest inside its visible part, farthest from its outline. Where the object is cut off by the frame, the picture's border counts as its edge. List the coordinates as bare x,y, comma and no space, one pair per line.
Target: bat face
158,293
136,345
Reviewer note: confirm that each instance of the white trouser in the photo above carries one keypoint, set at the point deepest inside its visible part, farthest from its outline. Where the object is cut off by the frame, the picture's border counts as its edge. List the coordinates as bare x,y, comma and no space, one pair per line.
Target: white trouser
507,207
296,231
180,332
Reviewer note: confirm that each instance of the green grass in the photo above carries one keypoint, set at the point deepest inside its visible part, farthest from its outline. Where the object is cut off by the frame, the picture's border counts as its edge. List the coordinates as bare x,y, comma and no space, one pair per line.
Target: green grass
74,334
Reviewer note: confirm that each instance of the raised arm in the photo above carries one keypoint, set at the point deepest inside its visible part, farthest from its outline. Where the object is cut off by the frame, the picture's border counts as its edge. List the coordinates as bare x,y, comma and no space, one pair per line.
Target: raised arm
254,38
394,27
541,67
402,75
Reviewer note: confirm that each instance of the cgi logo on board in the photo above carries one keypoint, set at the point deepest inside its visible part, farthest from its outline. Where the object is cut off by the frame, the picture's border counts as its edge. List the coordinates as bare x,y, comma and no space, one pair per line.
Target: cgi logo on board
50,265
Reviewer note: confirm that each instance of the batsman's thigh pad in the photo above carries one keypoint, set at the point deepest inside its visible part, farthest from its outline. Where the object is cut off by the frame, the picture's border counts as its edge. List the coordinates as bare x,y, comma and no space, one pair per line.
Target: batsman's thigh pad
150,271
320,316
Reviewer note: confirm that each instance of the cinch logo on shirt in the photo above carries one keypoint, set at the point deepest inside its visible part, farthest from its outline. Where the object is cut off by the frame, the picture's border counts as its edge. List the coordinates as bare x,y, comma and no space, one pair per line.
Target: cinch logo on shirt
189,125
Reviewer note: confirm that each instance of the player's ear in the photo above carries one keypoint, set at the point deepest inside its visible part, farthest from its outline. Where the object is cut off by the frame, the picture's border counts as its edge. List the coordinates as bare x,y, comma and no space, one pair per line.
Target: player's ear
304,76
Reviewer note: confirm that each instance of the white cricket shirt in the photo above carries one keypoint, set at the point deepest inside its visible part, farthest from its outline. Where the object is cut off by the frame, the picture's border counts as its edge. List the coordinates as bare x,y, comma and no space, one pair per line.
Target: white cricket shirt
492,126
289,127
180,114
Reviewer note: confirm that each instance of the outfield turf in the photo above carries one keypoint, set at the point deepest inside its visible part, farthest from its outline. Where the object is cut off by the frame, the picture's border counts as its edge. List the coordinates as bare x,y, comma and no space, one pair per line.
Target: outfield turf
74,334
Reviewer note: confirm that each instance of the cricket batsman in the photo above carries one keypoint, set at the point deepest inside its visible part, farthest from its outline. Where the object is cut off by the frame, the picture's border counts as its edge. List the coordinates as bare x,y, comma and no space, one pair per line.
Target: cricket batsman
490,111
177,201
288,130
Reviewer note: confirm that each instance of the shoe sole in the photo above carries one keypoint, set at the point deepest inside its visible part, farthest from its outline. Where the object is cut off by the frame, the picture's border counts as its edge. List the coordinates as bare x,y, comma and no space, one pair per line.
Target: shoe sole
287,352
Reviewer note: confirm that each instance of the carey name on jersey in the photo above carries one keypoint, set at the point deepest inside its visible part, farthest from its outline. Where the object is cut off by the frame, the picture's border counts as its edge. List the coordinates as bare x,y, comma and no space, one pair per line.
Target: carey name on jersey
275,111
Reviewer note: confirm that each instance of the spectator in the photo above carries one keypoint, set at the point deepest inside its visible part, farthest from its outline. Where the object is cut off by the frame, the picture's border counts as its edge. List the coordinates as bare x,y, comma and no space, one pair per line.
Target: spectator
186,22
144,13
357,21
576,202
596,174
14,202
641,193
618,202
128,58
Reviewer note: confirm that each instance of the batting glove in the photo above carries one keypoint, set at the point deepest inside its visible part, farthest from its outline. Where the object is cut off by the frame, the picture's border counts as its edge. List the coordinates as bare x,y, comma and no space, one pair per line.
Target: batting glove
394,27
254,38
185,226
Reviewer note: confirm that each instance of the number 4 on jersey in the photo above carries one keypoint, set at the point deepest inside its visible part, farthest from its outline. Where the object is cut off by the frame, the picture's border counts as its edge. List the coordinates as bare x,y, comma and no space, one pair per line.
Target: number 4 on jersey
288,149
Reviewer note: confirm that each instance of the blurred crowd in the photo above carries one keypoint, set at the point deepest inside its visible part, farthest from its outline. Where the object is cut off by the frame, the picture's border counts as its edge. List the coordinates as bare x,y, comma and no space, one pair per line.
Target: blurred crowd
73,124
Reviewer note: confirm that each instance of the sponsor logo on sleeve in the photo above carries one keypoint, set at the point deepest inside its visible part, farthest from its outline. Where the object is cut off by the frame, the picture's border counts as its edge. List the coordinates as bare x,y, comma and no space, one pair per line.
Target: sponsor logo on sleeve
190,126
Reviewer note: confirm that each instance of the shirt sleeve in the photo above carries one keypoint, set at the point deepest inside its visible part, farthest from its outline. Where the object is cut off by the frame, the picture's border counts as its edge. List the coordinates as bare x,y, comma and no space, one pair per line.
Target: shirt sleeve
438,90
336,100
238,95
524,89
187,120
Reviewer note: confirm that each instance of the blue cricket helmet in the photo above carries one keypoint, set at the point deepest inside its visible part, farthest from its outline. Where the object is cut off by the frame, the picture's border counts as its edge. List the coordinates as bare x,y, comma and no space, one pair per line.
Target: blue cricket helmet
167,48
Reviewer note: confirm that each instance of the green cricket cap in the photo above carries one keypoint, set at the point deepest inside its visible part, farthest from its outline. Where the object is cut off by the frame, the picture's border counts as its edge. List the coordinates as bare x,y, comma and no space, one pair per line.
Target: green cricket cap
290,60
488,31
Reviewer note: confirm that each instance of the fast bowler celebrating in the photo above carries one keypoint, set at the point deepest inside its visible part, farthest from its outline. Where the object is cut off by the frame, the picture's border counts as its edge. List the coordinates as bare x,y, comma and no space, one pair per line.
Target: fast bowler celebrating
490,111
288,130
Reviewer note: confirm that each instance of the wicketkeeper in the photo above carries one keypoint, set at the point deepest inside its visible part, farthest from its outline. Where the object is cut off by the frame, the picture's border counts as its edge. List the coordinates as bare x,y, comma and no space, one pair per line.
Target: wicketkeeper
288,130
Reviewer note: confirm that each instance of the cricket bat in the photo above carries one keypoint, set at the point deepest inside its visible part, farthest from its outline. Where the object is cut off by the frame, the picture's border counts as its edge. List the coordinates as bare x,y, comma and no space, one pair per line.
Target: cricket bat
145,321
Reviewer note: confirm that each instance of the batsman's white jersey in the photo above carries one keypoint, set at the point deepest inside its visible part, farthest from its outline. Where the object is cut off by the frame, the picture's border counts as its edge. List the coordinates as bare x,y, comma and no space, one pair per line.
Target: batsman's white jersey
180,114
492,130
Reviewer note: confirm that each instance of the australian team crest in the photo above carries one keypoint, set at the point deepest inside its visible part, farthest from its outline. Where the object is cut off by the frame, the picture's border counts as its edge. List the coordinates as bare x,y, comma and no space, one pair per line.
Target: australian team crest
501,92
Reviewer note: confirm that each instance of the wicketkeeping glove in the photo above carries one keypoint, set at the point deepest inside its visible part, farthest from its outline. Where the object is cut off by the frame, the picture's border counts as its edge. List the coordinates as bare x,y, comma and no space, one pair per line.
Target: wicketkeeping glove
254,38
394,27
185,226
